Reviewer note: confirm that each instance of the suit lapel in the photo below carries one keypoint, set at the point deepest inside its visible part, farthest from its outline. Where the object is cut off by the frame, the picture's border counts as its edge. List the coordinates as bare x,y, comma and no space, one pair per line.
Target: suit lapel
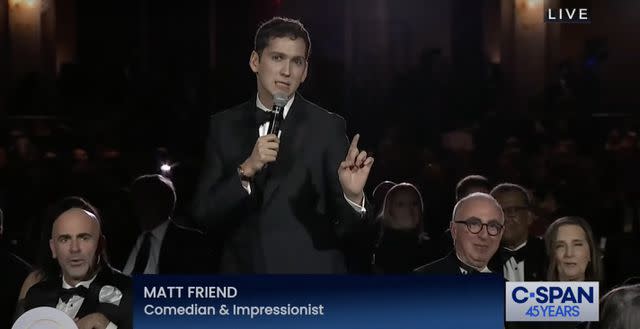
90,303
534,260
245,129
291,147
165,249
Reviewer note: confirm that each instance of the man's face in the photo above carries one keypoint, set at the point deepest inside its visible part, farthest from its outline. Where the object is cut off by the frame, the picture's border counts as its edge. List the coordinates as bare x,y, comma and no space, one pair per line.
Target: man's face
405,210
280,69
476,249
517,217
74,241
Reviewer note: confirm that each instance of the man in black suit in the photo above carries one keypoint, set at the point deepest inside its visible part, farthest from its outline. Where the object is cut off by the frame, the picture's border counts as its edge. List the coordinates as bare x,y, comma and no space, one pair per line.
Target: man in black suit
78,280
476,228
164,247
522,257
288,203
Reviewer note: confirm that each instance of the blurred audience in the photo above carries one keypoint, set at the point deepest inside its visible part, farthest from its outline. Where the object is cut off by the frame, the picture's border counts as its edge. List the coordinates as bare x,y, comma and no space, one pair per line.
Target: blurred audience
403,245
521,256
163,246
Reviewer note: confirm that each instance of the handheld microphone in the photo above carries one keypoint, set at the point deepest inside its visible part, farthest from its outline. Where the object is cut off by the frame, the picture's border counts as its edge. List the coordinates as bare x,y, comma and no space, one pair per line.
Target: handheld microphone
276,116
277,113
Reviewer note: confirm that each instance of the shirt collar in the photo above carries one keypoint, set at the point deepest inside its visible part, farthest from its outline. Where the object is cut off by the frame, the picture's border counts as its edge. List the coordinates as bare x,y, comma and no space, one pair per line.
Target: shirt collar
483,270
286,107
518,247
159,231
85,284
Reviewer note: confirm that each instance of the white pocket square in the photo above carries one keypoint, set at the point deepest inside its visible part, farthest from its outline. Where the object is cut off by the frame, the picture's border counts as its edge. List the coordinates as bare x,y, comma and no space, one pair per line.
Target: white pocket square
111,295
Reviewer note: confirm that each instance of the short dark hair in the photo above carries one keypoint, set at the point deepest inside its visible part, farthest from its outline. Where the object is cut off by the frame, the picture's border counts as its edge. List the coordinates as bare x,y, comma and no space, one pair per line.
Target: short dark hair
280,27
157,188
510,187
46,264
469,182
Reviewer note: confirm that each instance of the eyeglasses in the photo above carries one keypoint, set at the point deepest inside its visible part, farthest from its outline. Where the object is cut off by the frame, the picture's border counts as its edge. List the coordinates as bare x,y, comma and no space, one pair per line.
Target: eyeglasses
475,225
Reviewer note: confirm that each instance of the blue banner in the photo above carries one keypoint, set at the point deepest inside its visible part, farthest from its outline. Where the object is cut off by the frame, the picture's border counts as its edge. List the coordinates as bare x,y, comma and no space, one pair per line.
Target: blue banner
318,301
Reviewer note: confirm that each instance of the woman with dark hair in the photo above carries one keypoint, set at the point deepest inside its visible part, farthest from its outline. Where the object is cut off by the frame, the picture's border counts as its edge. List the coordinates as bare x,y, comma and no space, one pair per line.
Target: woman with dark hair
620,309
403,244
572,256
572,253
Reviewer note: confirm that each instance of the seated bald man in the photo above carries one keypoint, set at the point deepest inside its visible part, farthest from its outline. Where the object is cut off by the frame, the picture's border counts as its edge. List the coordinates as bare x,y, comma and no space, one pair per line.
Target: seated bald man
476,229
78,280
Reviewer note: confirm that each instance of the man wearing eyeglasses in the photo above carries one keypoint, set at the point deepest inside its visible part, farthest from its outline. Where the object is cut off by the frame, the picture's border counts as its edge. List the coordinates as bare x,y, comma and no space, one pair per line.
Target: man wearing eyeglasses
521,257
476,228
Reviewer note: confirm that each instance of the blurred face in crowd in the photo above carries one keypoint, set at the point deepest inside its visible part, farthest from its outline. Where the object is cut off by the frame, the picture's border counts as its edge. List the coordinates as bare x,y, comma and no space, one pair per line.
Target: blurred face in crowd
572,253
476,249
476,189
74,243
404,209
517,217
280,69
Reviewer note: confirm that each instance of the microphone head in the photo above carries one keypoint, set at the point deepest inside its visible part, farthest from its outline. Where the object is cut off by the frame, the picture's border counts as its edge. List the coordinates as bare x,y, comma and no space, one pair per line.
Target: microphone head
280,100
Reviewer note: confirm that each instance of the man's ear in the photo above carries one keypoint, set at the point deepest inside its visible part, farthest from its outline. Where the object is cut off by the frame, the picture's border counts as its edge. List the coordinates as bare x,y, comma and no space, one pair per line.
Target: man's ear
530,217
306,70
102,243
452,228
254,61
53,249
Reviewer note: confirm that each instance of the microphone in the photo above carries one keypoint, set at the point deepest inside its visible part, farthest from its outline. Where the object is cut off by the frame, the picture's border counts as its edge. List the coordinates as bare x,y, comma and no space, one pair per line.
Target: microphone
277,113
275,116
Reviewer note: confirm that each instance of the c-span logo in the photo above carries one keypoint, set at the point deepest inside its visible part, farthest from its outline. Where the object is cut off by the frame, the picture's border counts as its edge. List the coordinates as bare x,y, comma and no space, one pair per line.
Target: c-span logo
552,301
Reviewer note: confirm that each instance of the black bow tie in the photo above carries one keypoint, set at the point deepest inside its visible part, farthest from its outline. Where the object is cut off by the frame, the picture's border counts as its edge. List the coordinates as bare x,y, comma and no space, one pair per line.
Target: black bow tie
66,294
262,116
518,255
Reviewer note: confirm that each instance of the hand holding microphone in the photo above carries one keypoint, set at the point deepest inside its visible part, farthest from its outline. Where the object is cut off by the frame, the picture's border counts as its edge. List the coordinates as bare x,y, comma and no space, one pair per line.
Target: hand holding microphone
266,148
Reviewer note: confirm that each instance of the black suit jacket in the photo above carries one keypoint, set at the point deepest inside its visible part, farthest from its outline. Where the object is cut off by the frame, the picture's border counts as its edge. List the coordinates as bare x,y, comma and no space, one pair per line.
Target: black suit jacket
185,251
535,260
296,219
46,293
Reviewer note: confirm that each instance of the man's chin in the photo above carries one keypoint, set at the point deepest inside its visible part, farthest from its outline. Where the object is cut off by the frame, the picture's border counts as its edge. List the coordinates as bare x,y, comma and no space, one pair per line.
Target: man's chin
80,274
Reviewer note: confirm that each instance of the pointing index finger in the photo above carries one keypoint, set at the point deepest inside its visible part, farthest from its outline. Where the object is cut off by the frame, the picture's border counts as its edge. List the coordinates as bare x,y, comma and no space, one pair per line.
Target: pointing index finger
352,153
354,142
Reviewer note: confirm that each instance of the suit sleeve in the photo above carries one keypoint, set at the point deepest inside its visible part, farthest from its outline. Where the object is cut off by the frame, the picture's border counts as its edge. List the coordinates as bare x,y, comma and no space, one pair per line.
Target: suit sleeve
346,219
219,192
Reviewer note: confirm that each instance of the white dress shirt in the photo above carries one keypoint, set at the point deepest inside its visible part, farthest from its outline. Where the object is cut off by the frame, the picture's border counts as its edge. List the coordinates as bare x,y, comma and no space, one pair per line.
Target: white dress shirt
514,271
157,236
74,304
264,128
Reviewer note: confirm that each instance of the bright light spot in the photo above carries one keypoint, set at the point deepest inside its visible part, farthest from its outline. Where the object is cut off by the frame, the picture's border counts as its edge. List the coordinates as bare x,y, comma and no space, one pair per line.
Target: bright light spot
30,3
165,168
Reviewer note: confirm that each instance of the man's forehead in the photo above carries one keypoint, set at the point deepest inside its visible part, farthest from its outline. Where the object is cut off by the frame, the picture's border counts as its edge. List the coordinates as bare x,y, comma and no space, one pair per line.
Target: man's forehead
480,208
287,45
75,220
